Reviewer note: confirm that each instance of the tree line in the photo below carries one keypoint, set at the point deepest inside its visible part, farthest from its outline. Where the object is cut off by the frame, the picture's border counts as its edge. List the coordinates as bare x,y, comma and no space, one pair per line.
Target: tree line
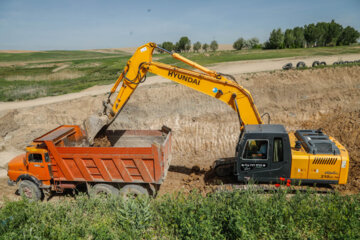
320,34
184,45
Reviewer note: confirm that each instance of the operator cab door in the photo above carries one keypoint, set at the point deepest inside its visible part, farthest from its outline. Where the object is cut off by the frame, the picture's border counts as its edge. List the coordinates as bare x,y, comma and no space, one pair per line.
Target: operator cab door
254,158
281,158
38,165
264,159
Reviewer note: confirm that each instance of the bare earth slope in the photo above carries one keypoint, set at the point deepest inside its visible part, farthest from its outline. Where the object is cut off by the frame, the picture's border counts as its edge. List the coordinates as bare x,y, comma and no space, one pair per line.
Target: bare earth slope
206,129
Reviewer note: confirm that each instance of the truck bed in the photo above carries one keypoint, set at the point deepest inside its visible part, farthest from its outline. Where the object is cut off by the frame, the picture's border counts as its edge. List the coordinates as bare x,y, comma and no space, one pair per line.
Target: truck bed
141,156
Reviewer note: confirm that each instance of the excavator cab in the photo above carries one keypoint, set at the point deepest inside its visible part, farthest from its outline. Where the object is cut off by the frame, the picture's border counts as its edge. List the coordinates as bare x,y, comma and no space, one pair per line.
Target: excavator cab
263,153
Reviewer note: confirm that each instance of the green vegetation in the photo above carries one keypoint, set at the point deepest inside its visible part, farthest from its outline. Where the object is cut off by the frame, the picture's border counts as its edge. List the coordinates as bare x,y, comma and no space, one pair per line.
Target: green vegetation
255,54
55,55
214,45
251,43
320,34
205,47
225,215
72,72
18,82
197,46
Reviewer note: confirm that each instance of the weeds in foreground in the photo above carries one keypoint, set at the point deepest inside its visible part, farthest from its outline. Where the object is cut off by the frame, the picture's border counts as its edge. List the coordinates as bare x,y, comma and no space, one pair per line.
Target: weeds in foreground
225,215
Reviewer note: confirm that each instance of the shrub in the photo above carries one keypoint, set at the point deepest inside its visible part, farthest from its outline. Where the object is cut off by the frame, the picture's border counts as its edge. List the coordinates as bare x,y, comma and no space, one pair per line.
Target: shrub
214,45
197,46
239,44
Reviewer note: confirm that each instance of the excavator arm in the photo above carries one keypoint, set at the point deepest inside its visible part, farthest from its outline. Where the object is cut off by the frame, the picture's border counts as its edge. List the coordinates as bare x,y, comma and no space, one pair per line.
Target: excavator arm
206,81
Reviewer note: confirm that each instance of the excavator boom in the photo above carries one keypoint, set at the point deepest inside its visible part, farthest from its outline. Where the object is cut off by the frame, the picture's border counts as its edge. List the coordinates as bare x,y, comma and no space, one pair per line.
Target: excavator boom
205,80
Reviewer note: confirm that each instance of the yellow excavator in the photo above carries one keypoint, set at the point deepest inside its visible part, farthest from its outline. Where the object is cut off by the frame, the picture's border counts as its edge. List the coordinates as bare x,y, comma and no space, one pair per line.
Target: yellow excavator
264,152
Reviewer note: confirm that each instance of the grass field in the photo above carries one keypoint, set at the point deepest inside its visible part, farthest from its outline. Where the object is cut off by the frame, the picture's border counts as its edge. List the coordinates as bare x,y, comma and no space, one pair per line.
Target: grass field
37,74
226,215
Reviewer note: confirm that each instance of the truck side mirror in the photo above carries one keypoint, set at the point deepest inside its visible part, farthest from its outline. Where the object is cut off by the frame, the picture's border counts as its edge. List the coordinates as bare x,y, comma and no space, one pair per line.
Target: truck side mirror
25,162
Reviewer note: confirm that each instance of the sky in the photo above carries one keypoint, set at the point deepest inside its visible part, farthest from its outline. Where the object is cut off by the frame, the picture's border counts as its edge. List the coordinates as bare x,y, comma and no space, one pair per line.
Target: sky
77,24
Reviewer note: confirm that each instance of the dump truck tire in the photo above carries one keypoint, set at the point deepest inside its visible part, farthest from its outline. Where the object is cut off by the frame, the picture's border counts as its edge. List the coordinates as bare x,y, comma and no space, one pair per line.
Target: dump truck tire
30,190
103,189
323,63
132,190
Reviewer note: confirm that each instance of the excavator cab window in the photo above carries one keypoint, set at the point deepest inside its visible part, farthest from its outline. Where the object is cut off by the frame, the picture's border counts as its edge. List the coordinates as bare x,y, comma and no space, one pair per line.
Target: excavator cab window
35,157
256,150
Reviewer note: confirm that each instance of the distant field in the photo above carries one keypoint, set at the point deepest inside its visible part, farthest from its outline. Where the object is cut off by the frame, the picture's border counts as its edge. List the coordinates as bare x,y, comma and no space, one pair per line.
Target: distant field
31,75
54,55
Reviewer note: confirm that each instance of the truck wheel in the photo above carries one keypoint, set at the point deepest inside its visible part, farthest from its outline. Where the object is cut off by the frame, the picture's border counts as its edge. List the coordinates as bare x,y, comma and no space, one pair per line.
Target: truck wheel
30,190
133,190
103,189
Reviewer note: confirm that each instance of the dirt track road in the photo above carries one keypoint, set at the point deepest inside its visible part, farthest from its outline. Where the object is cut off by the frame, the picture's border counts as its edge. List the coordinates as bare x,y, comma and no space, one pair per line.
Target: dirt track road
233,68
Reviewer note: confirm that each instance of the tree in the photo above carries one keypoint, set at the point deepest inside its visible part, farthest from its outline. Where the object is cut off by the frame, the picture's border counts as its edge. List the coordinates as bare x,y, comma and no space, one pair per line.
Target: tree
321,29
205,47
310,34
254,43
299,37
333,33
289,39
276,40
197,46
168,46
239,44
184,44
349,35
214,45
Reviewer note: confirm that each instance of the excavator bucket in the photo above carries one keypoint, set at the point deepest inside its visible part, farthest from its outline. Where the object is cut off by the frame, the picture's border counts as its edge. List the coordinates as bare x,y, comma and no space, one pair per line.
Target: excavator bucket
93,125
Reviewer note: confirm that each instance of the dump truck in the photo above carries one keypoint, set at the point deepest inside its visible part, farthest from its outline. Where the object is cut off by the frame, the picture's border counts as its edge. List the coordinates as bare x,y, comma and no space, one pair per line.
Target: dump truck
130,162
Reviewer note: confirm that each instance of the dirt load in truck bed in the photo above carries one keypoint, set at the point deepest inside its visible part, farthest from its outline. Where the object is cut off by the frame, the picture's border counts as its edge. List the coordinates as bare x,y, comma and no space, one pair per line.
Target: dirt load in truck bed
121,138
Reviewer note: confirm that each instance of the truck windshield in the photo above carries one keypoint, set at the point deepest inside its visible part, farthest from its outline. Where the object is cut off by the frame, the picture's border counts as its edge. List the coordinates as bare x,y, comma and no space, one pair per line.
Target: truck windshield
35,157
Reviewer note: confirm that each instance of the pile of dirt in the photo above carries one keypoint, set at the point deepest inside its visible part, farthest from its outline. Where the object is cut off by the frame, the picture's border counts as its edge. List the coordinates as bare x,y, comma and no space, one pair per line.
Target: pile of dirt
102,141
344,126
8,122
